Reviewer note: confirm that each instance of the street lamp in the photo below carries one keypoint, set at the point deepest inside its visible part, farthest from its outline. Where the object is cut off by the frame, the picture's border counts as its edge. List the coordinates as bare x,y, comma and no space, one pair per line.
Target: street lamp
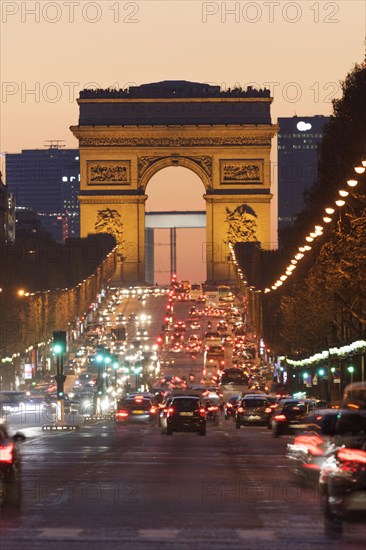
351,370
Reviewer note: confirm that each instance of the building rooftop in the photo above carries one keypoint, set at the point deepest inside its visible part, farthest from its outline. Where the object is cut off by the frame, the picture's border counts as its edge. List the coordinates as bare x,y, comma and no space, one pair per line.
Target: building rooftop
173,89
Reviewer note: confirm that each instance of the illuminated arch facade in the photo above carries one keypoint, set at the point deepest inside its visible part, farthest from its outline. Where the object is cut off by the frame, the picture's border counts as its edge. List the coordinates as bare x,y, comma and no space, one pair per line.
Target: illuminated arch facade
127,136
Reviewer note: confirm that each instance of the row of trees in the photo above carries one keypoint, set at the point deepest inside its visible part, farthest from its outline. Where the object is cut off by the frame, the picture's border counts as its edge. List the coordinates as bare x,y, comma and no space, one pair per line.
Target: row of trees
324,302
50,287
40,263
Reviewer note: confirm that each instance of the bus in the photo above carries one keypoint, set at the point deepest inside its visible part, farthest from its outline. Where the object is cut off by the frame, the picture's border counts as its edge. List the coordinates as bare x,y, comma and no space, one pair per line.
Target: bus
225,294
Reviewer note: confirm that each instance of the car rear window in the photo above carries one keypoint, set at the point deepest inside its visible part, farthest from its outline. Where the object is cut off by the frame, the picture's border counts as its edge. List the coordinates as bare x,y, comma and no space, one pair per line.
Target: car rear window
185,404
295,407
144,404
254,402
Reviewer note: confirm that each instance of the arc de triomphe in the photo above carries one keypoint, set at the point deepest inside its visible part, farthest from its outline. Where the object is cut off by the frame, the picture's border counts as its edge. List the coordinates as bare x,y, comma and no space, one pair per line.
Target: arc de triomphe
127,136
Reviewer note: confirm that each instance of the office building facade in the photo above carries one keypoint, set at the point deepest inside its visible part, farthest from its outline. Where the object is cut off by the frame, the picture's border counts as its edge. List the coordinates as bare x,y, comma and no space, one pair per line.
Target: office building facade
48,181
298,143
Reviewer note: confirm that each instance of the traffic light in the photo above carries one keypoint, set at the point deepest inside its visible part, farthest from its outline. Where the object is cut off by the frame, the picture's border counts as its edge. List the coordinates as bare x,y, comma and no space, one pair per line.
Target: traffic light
60,380
102,355
59,342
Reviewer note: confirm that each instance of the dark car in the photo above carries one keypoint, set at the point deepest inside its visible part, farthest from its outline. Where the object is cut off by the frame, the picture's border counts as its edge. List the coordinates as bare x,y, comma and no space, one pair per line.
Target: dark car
291,413
312,438
186,414
10,482
213,410
135,409
343,474
230,407
253,409
162,412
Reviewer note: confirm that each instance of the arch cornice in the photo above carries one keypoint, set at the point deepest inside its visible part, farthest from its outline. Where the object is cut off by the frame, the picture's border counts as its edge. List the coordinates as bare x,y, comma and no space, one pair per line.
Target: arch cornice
148,166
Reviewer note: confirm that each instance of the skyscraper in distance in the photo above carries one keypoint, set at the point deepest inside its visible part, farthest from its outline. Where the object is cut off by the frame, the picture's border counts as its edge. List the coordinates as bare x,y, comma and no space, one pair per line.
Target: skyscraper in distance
298,142
47,180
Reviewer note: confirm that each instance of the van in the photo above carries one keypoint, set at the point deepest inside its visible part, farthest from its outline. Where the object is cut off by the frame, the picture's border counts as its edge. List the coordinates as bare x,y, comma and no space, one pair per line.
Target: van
196,292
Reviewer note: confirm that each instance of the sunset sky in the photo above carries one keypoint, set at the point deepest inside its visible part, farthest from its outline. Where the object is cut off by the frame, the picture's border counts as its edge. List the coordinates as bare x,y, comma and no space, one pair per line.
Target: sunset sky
51,50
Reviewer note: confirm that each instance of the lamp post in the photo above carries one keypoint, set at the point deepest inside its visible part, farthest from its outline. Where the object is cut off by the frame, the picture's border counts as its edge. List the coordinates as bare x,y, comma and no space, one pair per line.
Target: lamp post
321,373
351,370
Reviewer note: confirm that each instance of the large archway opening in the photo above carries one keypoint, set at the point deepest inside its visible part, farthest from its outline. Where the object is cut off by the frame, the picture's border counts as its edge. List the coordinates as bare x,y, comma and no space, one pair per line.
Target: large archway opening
176,189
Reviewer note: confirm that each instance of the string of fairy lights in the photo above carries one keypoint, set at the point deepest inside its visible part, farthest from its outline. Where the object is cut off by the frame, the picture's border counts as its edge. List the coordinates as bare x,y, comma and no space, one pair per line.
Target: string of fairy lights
316,232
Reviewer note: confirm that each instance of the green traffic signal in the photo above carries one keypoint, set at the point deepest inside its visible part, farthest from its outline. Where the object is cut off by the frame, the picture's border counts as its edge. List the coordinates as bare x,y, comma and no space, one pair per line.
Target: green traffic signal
59,342
57,349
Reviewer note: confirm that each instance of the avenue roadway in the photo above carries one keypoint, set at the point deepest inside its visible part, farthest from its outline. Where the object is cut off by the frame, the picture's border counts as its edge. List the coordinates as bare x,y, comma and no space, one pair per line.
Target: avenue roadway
129,487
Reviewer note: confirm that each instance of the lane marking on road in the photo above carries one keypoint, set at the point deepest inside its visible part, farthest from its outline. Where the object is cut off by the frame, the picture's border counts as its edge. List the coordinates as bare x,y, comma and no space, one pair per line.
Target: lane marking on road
158,533
59,533
263,534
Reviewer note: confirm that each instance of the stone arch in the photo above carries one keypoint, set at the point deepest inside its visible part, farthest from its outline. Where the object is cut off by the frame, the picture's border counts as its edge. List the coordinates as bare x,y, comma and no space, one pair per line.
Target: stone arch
149,166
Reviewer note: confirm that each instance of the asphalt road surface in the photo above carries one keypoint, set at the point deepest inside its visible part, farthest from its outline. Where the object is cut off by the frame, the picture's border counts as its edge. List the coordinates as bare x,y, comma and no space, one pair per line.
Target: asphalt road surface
109,486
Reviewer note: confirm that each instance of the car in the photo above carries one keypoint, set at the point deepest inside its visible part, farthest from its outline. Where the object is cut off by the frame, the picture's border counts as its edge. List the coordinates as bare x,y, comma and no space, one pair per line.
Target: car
176,347
289,414
10,401
230,406
86,379
354,396
83,401
212,338
10,468
342,478
312,438
180,326
213,410
135,409
186,414
163,412
253,409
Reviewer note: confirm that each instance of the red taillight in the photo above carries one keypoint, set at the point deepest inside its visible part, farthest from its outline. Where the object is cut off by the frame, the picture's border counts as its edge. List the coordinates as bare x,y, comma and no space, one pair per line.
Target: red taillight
202,411
153,410
122,414
352,455
311,442
213,408
268,410
279,417
170,410
228,405
241,409
6,453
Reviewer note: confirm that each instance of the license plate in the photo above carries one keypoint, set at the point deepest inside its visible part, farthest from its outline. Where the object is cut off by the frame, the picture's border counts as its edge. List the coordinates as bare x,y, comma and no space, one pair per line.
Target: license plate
252,417
138,412
186,414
